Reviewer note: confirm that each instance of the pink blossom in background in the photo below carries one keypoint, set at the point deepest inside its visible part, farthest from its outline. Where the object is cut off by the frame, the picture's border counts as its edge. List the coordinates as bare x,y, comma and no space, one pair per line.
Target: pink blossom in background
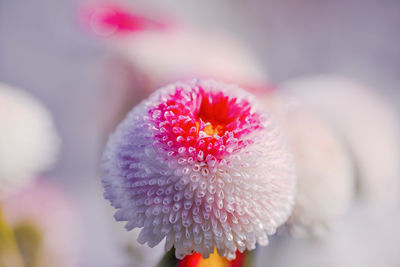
43,212
111,19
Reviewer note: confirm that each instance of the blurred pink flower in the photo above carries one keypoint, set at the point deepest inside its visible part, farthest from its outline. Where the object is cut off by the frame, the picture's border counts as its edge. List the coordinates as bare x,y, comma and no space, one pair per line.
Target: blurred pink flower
46,225
111,19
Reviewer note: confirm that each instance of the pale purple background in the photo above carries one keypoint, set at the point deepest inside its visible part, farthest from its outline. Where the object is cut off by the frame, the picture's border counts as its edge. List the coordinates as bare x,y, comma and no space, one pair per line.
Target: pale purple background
45,51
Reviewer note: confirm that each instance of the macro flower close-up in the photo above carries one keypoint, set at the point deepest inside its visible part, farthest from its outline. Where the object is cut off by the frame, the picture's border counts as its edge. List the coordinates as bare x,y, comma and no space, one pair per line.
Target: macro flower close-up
201,164
229,133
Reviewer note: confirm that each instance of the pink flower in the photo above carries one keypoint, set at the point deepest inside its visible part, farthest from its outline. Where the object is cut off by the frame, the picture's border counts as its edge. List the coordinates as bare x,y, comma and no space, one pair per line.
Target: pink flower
46,225
201,164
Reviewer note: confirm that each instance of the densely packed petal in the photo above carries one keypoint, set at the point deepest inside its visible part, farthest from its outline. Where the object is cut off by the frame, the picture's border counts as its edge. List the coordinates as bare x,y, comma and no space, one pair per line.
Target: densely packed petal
203,165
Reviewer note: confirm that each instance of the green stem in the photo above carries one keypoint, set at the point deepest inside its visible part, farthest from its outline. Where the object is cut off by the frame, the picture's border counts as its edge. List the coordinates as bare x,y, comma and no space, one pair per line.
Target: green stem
9,254
29,242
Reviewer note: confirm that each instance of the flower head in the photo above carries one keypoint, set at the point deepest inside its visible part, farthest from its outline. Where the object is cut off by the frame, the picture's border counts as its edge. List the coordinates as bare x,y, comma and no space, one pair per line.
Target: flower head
201,164
28,139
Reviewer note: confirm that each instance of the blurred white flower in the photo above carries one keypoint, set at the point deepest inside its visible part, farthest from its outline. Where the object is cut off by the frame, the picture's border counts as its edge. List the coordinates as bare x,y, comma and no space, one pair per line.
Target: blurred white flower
368,125
201,164
28,139
359,239
46,225
325,172
164,56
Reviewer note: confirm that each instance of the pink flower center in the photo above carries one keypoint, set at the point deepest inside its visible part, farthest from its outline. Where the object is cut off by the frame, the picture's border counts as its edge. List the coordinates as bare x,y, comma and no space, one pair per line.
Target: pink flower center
203,123
113,20
129,22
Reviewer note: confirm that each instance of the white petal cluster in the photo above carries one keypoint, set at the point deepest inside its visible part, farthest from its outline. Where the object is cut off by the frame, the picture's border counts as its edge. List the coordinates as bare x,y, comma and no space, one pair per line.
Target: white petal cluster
28,139
325,171
197,202
368,125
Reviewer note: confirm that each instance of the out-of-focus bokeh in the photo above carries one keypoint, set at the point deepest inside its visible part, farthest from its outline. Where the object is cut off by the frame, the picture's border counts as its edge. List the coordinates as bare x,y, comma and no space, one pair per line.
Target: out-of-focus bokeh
47,50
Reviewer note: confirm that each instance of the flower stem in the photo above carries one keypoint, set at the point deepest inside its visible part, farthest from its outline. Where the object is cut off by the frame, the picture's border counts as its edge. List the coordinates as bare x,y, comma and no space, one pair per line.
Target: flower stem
9,254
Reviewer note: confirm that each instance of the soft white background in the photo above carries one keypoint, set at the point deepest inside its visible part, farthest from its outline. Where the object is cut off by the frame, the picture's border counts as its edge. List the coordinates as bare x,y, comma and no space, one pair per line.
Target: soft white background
45,51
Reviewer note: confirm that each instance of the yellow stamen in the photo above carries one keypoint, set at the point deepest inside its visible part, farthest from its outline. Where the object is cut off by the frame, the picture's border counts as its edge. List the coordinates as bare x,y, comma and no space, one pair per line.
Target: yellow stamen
212,129
215,260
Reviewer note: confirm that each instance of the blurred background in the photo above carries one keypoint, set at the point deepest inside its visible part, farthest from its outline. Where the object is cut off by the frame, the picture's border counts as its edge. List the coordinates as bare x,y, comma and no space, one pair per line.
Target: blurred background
45,50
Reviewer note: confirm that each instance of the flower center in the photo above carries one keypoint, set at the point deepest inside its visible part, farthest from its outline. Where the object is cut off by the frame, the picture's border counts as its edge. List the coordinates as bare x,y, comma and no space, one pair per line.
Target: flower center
211,129
215,260
203,122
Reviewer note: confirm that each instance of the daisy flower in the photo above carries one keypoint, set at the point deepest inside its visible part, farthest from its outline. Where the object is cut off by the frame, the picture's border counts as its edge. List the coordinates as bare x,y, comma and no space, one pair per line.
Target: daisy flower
28,139
325,171
45,224
367,123
202,165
